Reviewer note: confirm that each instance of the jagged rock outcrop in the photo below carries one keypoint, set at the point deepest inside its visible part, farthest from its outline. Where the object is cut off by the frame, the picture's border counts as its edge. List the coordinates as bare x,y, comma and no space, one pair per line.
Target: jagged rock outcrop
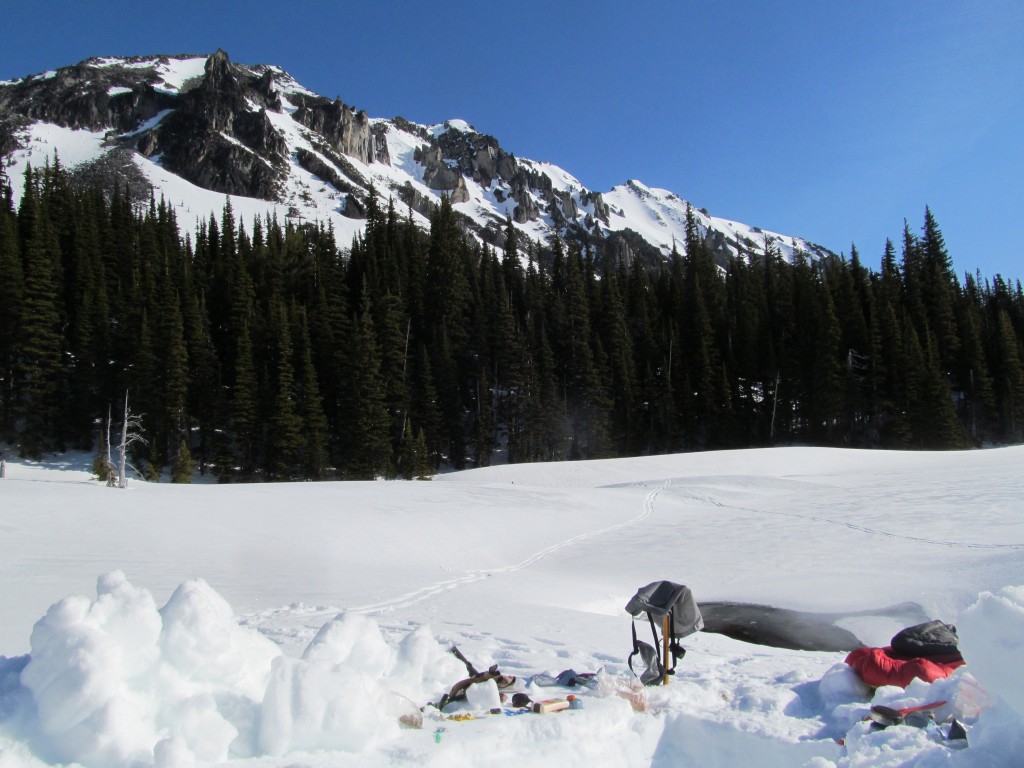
354,207
441,174
318,167
347,131
460,153
601,210
526,206
87,97
477,156
415,199
215,139
437,174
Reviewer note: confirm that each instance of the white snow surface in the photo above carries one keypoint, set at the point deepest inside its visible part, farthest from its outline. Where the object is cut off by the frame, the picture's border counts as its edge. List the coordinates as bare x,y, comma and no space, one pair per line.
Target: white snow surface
300,624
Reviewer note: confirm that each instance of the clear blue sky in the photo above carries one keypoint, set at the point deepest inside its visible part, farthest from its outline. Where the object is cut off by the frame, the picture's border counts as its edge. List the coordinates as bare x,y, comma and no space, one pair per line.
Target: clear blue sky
827,119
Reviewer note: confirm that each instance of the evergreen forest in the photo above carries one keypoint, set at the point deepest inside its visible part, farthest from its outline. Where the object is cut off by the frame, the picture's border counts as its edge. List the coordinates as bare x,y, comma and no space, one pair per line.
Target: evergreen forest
261,351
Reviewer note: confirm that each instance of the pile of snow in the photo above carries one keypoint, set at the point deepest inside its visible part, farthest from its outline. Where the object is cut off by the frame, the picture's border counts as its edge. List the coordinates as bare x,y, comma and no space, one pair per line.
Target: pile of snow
115,681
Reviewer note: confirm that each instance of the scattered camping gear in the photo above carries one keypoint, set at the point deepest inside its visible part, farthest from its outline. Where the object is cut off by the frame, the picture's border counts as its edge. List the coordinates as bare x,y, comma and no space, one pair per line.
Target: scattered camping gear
458,691
550,705
922,716
568,678
454,651
933,640
926,651
886,716
877,667
637,698
677,612
957,732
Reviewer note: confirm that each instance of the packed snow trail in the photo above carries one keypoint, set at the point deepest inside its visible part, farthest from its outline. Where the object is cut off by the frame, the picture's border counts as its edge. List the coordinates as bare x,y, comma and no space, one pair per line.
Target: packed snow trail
438,588
863,528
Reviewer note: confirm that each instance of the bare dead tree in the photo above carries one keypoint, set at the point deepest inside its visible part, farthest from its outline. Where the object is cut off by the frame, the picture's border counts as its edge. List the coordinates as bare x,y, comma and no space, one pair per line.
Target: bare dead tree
109,468
131,432
109,462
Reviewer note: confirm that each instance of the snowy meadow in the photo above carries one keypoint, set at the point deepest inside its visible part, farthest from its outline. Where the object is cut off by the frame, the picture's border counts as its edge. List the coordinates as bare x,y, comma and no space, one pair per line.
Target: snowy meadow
310,624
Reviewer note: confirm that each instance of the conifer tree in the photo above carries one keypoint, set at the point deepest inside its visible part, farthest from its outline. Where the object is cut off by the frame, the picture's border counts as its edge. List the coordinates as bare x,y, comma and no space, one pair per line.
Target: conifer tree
827,374
314,423
143,376
425,406
627,417
416,460
369,423
284,426
745,315
448,290
1008,377
11,293
939,289
978,401
37,350
330,339
244,410
175,375
547,429
702,400
393,340
183,466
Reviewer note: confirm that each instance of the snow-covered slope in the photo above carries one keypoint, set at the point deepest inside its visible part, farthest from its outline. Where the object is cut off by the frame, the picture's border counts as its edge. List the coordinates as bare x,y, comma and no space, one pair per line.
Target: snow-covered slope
273,147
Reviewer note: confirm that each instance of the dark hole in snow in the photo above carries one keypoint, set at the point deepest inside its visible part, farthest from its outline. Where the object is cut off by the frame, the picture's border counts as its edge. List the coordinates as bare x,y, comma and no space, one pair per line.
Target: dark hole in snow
795,630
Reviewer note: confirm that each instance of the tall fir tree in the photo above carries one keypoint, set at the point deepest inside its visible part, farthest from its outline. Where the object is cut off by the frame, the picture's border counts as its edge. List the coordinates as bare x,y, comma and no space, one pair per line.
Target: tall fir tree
38,345
310,405
284,425
11,293
369,424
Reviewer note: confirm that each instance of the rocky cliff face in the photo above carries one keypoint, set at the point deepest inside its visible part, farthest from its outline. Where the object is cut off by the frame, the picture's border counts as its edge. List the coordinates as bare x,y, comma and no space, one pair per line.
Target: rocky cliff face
87,97
347,132
219,136
216,135
456,155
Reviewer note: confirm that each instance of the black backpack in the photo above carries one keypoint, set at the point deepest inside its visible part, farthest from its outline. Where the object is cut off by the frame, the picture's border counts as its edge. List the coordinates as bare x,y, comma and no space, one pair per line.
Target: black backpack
934,640
663,600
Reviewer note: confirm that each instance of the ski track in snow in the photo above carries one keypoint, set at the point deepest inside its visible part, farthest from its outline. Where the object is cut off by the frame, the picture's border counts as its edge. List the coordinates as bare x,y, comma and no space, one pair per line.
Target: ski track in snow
427,592
853,526
265,621
260,619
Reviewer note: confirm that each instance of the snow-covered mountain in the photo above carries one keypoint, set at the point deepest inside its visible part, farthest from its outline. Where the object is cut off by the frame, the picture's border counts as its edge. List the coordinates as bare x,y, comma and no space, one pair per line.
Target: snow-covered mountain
195,129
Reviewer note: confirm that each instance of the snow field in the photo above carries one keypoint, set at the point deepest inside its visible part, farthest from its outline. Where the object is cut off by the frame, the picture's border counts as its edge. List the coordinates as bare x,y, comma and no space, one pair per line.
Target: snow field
296,624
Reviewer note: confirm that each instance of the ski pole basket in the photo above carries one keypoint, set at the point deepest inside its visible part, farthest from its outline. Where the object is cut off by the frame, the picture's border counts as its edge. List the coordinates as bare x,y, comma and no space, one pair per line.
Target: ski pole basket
672,607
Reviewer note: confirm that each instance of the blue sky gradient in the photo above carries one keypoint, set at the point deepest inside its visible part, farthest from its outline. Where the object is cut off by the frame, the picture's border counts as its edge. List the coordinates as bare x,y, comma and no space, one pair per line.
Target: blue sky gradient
833,121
